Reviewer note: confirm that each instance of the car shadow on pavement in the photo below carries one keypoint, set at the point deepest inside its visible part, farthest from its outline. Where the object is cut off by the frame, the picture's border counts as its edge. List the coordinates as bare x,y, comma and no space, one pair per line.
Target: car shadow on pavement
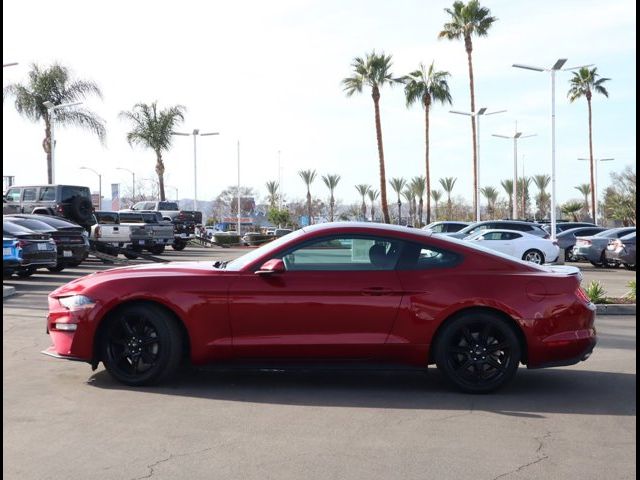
532,394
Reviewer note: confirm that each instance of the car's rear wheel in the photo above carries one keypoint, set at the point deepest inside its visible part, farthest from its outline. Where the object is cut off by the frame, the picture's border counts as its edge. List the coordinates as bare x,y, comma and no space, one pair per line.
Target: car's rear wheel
26,272
178,245
478,352
533,256
141,345
157,249
57,268
132,252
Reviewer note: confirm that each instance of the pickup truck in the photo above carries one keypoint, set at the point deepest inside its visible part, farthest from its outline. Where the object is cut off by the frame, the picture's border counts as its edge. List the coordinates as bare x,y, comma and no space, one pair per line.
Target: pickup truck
184,221
162,231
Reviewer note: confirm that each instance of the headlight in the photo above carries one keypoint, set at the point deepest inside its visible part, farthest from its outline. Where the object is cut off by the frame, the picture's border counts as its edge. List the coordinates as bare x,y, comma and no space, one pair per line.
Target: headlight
75,302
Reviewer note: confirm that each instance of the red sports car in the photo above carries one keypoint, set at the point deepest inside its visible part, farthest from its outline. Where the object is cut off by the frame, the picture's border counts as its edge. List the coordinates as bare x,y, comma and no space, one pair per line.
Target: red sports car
331,292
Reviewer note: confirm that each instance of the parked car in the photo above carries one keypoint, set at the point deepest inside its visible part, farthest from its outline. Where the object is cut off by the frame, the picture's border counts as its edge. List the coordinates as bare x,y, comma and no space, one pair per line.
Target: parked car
592,248
71,245
72,202
446,226
525,246
184,221
623,250
564,226
339,291
520,226
567,239
24,251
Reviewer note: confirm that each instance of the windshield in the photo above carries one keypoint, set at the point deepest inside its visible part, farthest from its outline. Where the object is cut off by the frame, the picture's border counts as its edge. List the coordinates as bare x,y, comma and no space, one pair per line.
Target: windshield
243,261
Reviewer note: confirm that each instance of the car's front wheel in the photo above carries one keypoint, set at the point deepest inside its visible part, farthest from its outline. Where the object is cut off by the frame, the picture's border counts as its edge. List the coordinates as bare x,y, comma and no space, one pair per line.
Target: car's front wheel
478,352
141,345
534,256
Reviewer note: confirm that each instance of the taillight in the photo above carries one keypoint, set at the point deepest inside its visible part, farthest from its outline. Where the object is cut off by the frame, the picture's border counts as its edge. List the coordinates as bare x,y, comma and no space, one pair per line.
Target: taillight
582,296
22,244
59,209
97,232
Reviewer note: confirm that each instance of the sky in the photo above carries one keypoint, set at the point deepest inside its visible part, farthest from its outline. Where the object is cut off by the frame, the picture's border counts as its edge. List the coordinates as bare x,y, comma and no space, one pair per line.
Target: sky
267,75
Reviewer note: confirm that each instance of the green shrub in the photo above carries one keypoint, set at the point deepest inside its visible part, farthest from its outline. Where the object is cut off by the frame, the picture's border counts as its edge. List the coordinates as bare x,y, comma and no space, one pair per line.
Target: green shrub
226,239
631,295
595,291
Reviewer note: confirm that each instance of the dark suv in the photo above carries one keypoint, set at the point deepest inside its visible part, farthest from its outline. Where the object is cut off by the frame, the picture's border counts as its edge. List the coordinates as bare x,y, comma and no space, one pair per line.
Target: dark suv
68,201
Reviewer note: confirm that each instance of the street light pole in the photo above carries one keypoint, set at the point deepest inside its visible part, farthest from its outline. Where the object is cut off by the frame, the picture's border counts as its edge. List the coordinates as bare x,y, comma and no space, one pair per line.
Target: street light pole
51,110
556,66
476,116
99,185
133,184
595,183
238,188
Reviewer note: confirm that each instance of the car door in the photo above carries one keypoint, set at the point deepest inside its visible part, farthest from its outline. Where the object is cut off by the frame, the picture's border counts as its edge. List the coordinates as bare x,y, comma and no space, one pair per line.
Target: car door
495,241
12,203
29,199
338,297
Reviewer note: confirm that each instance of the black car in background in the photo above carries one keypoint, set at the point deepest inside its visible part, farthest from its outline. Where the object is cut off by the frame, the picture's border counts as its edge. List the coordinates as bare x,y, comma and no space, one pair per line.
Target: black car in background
564,226
71,244
446,226
34,250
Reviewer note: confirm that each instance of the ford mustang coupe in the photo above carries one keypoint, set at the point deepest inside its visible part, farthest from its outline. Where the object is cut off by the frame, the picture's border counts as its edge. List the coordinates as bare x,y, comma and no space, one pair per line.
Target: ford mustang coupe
333,292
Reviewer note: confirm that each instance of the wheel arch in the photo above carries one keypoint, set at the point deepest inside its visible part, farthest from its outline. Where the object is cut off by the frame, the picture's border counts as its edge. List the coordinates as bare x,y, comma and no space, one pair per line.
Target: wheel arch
481,309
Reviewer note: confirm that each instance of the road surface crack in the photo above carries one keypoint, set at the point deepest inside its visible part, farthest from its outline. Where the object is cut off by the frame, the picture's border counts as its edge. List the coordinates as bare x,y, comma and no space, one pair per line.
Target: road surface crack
539,452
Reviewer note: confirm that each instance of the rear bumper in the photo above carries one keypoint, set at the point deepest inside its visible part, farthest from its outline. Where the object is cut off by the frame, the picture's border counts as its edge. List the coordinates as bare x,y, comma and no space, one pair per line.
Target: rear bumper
582,356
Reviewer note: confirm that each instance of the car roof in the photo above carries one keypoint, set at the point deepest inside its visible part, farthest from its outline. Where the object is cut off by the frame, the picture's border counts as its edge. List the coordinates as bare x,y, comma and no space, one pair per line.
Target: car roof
576,230
365,227
56,222
501,230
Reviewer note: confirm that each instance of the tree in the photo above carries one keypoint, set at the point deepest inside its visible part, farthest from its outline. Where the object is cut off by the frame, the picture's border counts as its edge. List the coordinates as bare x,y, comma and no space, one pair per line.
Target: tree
436,195
280,217
410,197
373,196
620,197
54,84
362,190
331,181
272,190
427,86
507,185
467,20
491,194
583,83
152,129
542,199
585,190
373,71
572,207
447,184
418,187
523,193
308,176
398,184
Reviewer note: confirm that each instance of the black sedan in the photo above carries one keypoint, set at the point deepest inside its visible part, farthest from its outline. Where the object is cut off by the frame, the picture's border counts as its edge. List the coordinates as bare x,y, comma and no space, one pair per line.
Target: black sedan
32,250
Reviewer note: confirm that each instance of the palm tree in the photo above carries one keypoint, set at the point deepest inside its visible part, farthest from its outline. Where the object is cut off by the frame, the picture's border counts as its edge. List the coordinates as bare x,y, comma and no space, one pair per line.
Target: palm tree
436,195
373,196
572,207
447,184
427,86
467,20
523,193
398,184
491,194
542,182
362,190
585,190
410,197
331,181
308,176
54,84
583,83
272,190
152,129
507,185
418,187
373,71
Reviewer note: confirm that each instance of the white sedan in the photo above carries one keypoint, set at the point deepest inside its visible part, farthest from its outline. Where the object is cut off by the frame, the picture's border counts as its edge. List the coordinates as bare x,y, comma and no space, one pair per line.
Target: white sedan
530,248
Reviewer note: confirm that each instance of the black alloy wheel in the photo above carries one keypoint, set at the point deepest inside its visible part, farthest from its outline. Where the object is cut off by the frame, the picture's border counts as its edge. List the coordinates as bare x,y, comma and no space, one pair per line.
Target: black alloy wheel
141,345
478,352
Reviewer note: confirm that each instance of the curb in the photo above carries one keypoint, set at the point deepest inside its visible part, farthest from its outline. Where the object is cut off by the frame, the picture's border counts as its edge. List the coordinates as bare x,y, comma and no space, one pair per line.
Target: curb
8,291
616,309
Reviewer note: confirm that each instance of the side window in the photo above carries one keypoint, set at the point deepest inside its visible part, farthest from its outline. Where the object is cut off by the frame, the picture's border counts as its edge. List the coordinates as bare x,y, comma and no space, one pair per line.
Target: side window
29,195
47,194
438,228
493,236
511,235
344,253
424,257
13,195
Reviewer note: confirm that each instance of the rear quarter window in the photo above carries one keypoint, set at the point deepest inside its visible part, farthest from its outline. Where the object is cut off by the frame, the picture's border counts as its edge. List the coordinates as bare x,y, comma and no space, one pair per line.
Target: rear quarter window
424,257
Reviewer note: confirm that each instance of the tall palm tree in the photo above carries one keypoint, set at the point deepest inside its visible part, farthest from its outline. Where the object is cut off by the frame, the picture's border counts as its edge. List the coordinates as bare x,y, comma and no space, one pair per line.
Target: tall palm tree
373,196
362,190
583,83
373,71
331,181
398,183
427,86
152,129
447,184
308,176
467,20
436,195
572,208
272,190
507,185
491,194
54,84
585,190
410,197
523,193
542,182
418,187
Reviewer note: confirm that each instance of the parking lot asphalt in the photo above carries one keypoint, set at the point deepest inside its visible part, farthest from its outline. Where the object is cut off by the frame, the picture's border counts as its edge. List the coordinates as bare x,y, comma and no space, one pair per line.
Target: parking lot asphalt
61,420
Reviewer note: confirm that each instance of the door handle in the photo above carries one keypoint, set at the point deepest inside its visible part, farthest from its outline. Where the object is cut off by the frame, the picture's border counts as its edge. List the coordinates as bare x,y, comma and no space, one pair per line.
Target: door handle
376,291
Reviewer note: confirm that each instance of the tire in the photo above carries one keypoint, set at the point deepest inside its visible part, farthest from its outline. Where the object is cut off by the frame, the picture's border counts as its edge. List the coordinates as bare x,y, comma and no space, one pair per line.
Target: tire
129,253
178,245
478,352
26,273
76,264
81,209
141,345
607,263
533,256
130,256
568,256
7,273
157,249
57,268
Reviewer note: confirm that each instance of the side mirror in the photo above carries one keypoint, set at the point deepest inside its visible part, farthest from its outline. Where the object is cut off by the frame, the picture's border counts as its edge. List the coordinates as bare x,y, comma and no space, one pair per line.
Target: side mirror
275,265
